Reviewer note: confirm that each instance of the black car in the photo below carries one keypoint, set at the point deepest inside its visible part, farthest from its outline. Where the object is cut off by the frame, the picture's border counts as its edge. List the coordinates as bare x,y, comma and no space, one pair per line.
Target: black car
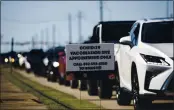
35,58
52,67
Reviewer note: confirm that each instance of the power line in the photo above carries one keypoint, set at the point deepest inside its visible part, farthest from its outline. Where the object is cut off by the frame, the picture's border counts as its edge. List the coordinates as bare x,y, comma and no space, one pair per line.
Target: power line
31,22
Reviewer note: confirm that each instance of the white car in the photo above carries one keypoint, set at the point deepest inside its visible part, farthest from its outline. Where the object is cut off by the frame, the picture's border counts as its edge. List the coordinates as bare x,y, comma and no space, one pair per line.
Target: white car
145,63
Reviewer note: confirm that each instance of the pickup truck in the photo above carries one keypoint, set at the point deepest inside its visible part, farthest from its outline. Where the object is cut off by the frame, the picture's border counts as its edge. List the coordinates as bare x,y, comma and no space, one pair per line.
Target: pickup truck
102,84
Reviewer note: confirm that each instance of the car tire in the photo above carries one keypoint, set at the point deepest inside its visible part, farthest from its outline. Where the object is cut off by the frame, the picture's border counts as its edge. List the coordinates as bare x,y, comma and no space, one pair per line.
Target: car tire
52,78
48,78
83,85
28,70
92,87
105,89
139,103
74,84
61,81
142,104
66,83
123,97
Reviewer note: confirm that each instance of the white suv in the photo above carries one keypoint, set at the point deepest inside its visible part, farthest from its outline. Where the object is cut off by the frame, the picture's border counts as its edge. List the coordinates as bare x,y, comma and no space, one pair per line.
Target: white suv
145,63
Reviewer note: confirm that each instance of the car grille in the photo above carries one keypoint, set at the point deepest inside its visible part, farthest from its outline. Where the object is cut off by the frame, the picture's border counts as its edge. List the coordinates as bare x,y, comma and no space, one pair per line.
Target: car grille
148,78
171,85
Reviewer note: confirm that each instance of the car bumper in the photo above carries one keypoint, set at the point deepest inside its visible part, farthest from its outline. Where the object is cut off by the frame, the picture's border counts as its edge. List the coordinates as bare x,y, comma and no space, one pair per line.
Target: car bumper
154,78
158,96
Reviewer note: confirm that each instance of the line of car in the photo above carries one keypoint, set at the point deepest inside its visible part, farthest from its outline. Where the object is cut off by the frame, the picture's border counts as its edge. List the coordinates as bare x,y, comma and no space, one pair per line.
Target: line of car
143,62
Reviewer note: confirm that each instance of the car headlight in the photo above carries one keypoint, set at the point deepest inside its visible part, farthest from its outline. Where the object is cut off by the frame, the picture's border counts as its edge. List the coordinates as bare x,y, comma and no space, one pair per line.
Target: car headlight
45,61
51,72
6,60
12,60
154,60
55,64
19,55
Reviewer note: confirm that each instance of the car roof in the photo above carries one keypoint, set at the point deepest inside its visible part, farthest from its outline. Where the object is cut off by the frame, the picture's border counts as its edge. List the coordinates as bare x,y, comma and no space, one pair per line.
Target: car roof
116,22
155,20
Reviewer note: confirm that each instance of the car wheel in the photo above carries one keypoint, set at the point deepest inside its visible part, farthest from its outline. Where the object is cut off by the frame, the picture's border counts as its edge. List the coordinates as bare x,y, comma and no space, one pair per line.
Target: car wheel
48,77
74,84
83,85
92,87
139,103
105,89
66,82
123,97
61,81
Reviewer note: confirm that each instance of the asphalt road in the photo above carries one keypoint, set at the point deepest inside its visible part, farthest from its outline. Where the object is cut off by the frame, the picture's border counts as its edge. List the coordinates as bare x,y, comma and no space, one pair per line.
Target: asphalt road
108,104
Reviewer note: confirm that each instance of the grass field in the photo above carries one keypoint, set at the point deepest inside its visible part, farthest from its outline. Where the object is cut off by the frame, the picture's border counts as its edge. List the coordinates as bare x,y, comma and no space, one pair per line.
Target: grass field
64,98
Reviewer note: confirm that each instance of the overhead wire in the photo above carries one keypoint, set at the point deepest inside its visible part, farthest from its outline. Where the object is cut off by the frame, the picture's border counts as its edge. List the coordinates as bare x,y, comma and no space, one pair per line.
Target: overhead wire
31,22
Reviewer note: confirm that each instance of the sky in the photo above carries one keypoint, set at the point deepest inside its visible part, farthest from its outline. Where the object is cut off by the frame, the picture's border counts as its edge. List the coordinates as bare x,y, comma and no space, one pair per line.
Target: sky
23,20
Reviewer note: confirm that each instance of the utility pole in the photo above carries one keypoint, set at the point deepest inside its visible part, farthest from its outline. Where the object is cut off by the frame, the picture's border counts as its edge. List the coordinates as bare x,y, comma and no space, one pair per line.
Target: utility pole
167,8
70,28
0,51
47,40
33,43
36,41
80,27
42,37
101,10
0,42
54,34
12,44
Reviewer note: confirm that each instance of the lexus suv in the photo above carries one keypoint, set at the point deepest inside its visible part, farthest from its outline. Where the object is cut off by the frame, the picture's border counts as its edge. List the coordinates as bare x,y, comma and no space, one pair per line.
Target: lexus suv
145,63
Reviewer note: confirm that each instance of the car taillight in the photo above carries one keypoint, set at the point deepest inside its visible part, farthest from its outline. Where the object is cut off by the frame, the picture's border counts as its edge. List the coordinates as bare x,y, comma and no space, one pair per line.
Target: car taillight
111,76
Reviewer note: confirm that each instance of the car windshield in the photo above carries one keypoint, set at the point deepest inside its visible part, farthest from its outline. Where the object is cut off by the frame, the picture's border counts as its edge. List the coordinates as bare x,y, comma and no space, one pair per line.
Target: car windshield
53,54
112,32
157,32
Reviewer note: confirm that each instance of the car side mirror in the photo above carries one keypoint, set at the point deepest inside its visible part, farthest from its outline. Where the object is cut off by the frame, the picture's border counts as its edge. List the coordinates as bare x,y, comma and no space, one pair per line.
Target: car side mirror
123,39
126,41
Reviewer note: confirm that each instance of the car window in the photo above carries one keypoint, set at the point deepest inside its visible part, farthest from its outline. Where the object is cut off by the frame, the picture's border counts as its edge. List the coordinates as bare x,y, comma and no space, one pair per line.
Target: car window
133,28
134,34
97,32
158,32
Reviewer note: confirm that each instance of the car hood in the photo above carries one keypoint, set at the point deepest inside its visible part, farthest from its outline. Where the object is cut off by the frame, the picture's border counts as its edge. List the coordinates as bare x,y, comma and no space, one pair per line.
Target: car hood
166,48
161,49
